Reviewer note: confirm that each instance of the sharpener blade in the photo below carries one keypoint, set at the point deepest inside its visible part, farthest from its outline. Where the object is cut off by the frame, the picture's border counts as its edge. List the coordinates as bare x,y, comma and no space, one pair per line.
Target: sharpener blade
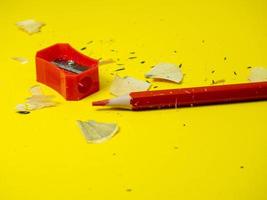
69,65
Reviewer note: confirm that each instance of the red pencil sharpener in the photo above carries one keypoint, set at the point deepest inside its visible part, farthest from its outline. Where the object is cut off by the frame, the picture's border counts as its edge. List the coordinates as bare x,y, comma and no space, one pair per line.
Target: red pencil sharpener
69,72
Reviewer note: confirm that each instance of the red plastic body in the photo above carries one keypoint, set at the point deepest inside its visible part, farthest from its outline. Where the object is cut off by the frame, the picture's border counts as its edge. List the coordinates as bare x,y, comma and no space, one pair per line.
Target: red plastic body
70,85
199,96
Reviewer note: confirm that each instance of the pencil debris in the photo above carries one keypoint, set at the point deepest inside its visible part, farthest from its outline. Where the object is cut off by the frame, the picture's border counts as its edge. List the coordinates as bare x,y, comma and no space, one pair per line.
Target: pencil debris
166,71
96,132
120,69
37,101
214,82
122,86
21,60
107,61
30,26
258,74
133,57
24,112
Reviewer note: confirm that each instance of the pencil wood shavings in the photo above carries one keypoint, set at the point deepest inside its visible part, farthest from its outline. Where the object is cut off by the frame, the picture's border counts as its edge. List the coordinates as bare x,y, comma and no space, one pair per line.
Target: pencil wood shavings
97,132
258,74
122,86
30,26
166,71
37,101
21,60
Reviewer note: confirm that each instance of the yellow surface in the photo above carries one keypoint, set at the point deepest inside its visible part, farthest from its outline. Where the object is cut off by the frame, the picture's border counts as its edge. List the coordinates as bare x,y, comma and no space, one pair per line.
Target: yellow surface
221,151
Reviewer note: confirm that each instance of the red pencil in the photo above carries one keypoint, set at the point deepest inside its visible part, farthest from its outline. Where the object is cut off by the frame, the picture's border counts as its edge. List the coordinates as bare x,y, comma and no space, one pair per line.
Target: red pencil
195,96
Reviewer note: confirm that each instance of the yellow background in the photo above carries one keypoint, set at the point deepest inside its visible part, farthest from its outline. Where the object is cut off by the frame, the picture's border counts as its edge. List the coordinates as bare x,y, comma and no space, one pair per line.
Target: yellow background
220,152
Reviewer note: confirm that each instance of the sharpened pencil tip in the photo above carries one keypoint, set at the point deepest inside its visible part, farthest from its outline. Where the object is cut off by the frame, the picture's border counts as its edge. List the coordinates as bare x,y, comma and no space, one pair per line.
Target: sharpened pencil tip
100,103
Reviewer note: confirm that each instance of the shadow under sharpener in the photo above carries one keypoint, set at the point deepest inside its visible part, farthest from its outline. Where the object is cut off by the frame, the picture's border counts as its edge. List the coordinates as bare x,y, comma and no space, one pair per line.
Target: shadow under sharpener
72,84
